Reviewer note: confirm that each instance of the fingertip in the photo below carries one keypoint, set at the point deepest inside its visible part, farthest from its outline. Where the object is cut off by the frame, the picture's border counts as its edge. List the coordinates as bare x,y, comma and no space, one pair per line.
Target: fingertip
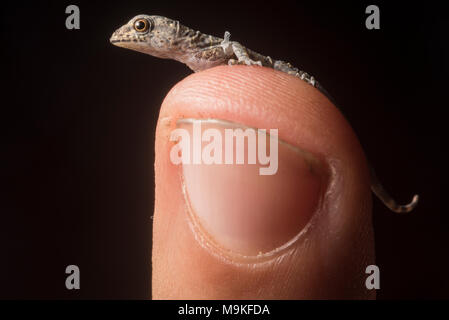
257,97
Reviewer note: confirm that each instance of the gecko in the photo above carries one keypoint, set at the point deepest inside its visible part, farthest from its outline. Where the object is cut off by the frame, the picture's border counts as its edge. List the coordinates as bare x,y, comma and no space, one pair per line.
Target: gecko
168,39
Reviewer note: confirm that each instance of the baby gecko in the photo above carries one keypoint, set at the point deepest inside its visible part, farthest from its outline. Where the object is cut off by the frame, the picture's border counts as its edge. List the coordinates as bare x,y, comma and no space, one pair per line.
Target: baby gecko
168,39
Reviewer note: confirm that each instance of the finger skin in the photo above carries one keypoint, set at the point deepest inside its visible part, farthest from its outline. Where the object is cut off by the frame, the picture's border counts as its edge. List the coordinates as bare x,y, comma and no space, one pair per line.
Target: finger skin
330,261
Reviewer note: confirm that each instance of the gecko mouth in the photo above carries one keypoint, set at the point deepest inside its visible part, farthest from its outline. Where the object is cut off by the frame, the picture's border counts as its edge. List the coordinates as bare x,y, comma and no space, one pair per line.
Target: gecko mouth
115,40
122,40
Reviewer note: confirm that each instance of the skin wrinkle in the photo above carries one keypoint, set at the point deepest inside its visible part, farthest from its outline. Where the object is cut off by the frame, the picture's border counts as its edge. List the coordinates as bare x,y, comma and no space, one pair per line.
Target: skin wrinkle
242,90
240,86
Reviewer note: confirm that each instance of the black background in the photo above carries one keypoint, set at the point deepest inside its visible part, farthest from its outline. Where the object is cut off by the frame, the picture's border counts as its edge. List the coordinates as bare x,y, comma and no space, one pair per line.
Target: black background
78,118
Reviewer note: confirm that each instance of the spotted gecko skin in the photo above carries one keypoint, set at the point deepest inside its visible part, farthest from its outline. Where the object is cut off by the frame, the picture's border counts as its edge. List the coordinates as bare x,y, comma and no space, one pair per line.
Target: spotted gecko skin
168,39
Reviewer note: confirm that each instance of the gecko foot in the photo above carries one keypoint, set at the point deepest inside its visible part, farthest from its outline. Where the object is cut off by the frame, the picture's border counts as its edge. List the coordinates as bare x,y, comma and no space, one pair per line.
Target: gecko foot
304,76
288,68
308,78
244,61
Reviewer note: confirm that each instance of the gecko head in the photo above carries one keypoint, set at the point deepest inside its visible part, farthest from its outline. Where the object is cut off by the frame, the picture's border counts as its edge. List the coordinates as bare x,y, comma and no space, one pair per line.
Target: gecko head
152,35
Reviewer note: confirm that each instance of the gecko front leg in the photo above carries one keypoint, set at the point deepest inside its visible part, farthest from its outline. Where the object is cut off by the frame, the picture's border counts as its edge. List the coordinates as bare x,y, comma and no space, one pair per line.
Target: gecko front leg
239,51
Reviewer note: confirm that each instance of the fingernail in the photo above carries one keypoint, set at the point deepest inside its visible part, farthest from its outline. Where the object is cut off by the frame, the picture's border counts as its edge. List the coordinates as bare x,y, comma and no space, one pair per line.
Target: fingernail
248,206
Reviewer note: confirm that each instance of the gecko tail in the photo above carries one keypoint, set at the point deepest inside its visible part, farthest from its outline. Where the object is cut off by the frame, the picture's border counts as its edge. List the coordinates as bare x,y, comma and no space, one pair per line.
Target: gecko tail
380,192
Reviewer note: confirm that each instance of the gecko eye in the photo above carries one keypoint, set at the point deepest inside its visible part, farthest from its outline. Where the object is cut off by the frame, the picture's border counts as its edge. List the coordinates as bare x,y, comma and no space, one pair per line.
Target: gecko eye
142,25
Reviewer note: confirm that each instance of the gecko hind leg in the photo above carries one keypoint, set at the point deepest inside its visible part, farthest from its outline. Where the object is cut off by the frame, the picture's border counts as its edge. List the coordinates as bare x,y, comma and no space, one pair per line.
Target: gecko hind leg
380,192
288,68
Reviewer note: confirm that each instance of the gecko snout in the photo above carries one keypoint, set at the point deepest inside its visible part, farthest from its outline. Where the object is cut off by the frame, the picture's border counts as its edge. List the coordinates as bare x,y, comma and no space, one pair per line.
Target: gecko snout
122,34
113,37
117,36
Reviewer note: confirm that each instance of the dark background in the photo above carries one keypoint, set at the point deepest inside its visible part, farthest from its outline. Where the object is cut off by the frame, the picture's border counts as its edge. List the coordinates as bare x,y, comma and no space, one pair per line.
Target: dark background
78,117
